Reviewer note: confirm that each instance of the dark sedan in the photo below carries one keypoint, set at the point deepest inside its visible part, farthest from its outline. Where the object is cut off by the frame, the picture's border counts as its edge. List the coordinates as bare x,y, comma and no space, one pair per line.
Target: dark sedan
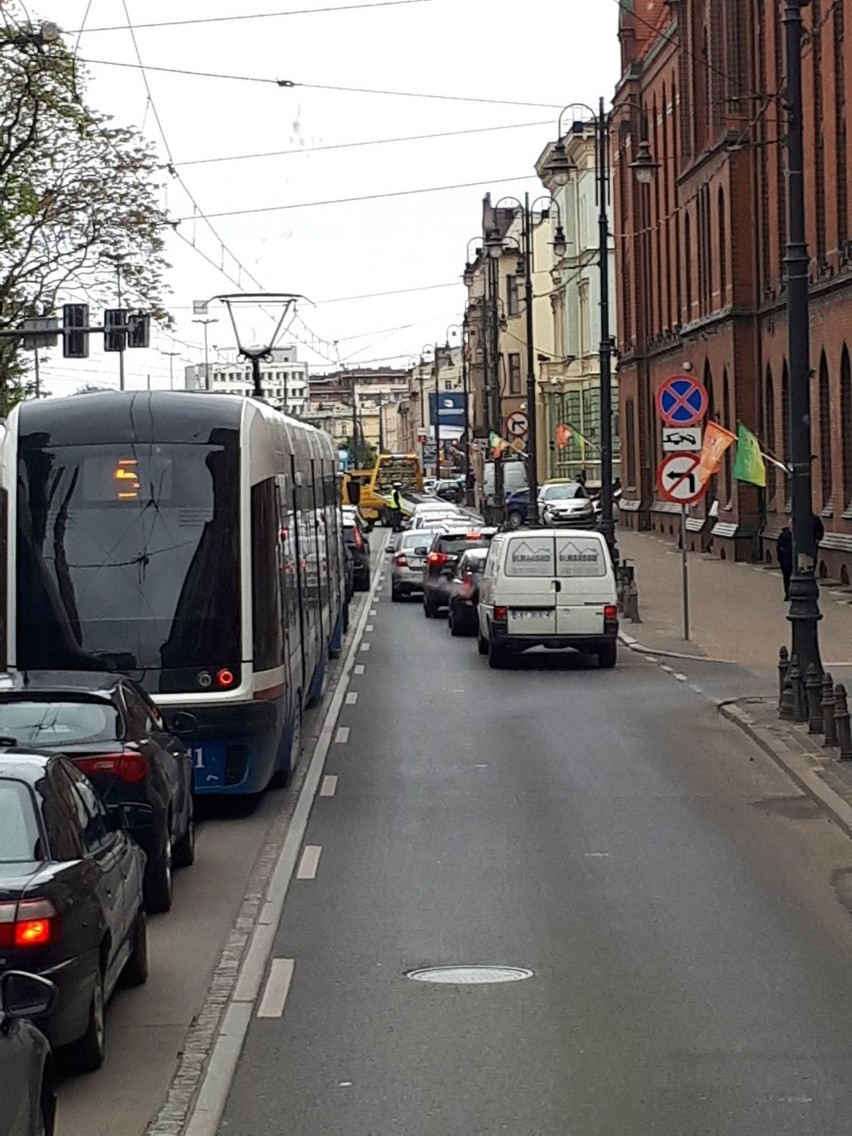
356,539
441,563
113,732
27,1098
71,907
462,616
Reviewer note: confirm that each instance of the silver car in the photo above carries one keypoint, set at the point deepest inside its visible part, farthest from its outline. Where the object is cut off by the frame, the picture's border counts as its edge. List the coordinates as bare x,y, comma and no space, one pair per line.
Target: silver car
567,504
409,560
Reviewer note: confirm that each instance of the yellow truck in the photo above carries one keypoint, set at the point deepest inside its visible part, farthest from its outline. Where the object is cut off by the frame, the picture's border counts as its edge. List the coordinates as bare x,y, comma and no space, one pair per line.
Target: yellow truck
375,485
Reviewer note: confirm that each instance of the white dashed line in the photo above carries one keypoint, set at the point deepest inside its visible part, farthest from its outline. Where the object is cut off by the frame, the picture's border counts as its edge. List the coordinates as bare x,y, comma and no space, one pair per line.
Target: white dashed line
329,785
697,689
359,670
342,735
310,862
277,988
374,611
680,677
667,669
365,646
351,697
651,658
369,627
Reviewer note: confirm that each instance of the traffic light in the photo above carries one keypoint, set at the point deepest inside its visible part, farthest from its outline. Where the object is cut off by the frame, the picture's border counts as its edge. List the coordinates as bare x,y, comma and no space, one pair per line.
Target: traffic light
115,329
75,334
138,329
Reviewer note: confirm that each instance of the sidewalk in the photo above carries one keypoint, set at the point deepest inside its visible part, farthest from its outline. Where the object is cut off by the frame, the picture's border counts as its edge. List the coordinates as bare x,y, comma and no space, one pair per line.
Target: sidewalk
737,611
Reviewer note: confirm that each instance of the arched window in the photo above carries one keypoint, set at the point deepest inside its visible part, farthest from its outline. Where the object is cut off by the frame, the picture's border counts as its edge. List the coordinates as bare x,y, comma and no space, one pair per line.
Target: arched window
712,493
825,433
846,423
723,252
687,266
728,485
770,437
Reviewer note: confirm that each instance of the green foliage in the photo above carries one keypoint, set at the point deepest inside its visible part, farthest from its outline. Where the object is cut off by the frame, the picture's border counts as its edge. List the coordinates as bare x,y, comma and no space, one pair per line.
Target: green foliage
78,196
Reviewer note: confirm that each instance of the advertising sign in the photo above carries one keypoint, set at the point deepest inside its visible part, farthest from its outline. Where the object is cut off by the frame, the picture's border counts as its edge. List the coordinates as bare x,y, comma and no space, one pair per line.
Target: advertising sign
451,404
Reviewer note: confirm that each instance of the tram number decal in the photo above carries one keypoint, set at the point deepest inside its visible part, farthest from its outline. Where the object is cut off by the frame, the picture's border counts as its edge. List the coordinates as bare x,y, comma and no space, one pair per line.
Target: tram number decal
197,755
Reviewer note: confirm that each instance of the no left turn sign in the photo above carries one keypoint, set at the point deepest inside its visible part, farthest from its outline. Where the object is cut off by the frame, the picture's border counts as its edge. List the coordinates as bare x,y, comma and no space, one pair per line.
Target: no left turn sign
678,480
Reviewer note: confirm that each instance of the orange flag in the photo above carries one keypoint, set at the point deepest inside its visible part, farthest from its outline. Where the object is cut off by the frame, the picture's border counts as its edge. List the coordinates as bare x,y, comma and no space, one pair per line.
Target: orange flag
563,435
716,441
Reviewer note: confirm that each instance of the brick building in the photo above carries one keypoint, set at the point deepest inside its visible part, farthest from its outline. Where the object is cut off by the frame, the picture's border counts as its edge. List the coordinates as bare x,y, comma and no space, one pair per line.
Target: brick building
700,254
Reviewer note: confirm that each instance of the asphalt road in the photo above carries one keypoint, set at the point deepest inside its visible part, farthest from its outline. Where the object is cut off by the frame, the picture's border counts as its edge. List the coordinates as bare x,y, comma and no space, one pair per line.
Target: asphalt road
682,909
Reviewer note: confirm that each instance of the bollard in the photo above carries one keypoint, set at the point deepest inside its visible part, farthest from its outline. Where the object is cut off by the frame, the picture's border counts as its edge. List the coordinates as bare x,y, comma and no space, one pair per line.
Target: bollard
813,690
841,717
795,677
631,607
828,705
783,667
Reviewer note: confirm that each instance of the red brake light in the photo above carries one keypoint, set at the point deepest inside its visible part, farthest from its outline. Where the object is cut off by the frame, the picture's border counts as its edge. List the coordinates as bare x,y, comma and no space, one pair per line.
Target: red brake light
610,613
401,561
127,766
438,558
359,540
225,677
30,923
501,614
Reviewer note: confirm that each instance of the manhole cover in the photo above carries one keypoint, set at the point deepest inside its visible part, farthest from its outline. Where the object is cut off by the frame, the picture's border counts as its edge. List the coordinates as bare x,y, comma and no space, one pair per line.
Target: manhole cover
470,975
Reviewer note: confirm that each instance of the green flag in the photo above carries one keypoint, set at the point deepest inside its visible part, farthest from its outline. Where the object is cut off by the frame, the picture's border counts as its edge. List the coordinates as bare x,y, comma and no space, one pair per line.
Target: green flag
749,465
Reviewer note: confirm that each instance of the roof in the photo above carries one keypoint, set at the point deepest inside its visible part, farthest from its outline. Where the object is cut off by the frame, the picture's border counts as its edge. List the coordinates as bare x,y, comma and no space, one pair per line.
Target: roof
60,682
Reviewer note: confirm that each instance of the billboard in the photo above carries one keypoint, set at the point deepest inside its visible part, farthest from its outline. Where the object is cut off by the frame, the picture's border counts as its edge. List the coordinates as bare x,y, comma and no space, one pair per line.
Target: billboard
450,407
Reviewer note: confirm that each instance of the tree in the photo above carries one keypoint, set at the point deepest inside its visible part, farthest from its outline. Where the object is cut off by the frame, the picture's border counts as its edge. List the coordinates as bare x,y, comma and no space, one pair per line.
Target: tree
78,197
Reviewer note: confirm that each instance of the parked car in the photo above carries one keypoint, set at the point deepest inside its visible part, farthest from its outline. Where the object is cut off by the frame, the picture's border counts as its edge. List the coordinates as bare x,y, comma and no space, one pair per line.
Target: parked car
566,503
409,560
357,541
112,731
441,562
71,899
517,507
464,592
430,517
348,571
550,588
450,489
27,1098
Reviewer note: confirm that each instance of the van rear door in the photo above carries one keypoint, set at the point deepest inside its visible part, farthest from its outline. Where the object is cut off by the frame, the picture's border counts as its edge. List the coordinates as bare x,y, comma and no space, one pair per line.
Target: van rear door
528,586
586,584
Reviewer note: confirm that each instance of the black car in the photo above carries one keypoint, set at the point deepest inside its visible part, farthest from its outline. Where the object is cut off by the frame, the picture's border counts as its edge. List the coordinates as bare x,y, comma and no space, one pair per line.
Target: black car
113,732
27,1099
71,907
356,539
441,562
462,617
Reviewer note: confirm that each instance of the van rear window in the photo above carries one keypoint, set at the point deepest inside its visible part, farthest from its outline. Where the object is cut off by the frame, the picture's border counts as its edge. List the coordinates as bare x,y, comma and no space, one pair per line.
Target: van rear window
530,556
566,556
582,556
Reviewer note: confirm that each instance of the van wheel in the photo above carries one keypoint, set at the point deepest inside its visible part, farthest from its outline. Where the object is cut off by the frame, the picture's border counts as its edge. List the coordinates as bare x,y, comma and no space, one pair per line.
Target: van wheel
607,656
498,657
481,643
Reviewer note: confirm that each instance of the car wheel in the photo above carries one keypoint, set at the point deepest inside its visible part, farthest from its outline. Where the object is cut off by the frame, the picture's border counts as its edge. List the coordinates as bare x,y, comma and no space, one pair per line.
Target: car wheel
158,879
498,657
607,656
88,1053
481,643
184,851
396,595
135,971
453,626
430,609
515,519
363,585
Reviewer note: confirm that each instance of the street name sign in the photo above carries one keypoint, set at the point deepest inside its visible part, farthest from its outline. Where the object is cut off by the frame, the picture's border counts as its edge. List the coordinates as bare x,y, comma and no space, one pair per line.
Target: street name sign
678,480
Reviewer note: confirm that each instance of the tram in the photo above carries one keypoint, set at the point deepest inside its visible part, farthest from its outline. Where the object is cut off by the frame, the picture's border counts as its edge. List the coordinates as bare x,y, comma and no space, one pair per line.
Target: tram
192,541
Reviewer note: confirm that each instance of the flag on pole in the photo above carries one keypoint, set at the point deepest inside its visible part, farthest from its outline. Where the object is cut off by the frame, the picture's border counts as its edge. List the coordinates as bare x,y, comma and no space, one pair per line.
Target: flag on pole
749,465
716,441
496,443
563,436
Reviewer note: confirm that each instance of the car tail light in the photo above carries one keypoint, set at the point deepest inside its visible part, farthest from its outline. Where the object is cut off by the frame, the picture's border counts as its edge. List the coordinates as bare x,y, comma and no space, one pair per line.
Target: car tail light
501,614
128,765
28,923
401,561
438,558
610,613
359,540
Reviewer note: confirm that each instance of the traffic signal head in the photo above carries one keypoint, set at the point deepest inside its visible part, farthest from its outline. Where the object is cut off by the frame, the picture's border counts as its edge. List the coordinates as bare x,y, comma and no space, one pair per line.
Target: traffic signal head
115,333
75,334
138,329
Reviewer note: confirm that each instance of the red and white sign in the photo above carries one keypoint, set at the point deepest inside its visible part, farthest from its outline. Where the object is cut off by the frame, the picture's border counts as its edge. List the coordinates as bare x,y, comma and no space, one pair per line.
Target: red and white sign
422,435
681,401
679,480
517,424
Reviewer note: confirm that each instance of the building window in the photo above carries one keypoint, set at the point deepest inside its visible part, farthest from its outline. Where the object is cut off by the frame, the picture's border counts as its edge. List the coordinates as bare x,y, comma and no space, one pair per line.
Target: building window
630,432
769,436
723,252
728,488
840,124
514,374
449,385
687,266
513,300
846,423
825,432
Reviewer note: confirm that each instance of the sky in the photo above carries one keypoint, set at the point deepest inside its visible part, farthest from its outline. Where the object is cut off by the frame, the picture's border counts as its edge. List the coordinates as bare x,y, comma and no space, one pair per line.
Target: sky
278,222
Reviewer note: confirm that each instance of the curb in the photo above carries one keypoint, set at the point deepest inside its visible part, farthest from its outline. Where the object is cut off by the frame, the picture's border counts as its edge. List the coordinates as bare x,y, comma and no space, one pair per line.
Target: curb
640,649
796,765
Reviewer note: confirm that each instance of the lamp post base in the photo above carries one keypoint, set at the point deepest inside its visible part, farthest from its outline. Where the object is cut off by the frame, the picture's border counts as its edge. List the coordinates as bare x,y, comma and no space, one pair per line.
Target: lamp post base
804,617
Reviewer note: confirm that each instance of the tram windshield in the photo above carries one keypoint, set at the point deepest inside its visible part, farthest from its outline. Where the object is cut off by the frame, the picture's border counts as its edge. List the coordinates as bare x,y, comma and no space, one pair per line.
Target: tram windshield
128,558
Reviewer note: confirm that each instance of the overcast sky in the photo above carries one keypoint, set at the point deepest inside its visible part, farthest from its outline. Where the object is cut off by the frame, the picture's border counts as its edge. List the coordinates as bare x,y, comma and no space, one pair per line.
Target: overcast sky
550,53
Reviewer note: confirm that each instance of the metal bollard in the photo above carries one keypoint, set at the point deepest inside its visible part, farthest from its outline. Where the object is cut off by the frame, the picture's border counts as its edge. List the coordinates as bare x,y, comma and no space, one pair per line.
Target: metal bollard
813,689
841,717
631,607
783,667
786,710
828,704
795,677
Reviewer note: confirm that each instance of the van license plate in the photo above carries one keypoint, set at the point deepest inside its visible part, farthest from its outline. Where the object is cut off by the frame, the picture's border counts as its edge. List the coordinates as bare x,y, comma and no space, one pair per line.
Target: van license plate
533,613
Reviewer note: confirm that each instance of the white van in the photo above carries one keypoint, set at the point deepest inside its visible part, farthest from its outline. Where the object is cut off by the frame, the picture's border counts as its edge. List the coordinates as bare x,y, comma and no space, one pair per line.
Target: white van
548,588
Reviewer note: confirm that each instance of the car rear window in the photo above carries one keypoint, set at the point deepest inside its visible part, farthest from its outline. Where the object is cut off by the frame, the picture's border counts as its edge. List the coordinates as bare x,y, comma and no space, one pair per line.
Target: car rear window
48,724
455,545
18,824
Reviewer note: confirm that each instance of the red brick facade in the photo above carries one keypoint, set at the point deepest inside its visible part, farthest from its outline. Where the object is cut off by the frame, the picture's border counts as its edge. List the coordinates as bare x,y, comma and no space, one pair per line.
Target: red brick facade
700,253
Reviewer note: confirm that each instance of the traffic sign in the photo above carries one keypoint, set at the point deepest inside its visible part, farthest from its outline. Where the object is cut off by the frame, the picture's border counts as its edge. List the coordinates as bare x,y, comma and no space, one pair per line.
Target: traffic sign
681,401
682,439
517,424
678,480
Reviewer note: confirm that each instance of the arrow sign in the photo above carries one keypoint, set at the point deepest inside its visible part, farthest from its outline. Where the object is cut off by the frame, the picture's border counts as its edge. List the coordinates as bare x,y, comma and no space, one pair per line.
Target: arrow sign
677,479
682,439
517,424
681,401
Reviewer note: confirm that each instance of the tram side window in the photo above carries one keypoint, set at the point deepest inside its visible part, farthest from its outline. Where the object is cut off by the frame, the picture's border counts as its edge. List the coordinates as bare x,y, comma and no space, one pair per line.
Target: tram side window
266,596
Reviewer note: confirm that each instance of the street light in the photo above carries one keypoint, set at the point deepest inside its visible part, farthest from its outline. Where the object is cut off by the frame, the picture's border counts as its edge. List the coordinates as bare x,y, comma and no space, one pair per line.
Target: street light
206,323
644,166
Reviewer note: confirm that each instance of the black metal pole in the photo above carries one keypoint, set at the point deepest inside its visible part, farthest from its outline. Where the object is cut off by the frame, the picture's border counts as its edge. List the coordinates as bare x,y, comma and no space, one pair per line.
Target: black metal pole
437,415
381,425
607,522
494,360
466,392
354,425
256,377
804,614
532,439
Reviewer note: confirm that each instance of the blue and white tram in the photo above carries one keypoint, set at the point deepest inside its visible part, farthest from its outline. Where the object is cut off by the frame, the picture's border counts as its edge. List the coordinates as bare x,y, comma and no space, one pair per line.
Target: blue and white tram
192,541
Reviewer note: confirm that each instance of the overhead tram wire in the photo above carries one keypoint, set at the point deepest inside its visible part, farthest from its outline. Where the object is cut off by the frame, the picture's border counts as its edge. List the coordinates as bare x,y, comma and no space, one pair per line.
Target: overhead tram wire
252,16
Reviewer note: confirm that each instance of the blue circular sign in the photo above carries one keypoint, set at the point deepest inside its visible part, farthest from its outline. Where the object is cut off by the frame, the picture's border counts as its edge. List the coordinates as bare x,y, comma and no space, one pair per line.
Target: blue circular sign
681,401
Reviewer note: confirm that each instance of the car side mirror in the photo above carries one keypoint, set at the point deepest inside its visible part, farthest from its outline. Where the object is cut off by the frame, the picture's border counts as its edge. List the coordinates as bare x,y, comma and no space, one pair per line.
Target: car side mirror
131,817
25,995
180,722
391,550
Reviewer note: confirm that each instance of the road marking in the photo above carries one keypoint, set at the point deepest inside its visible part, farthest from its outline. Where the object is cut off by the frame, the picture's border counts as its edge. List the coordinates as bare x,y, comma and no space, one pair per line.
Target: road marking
651,658
359,670
365,646
697,689
680,677
309,863
596,855
374,611
329,785
369,627
667,669
277,988
342,735
351,697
